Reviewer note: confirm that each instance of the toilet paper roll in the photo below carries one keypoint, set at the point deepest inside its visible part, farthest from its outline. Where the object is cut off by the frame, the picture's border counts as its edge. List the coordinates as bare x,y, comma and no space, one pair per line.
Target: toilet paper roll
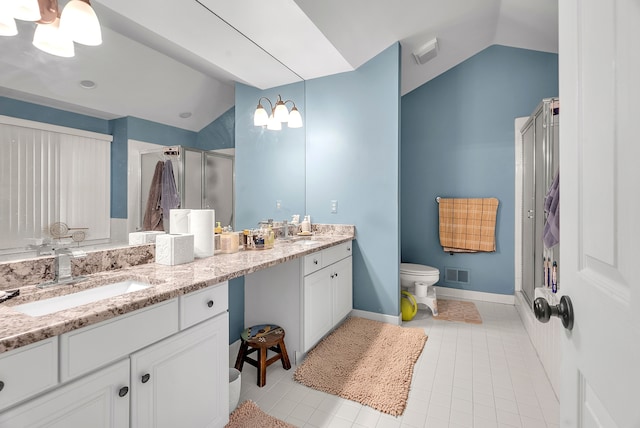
178,221
421,289
201,225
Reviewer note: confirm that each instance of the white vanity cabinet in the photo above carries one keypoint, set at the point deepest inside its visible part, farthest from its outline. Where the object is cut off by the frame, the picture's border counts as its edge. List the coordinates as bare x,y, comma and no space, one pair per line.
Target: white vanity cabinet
307,297
99,399
183,381
327,292
27,371
165,365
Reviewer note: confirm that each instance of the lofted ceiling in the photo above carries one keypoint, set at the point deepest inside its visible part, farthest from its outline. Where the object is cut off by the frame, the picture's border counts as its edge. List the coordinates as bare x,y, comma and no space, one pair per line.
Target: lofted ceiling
184,57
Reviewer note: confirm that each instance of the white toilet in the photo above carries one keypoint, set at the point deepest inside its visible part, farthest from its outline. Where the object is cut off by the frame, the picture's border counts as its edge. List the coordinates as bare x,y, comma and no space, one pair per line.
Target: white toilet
419,280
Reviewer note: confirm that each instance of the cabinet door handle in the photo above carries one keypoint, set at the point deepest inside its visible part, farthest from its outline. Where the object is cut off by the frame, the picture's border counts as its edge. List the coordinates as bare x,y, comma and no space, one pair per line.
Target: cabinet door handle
145,377
348,248
210,303
1,385
332,275
315,262
123,391
336,274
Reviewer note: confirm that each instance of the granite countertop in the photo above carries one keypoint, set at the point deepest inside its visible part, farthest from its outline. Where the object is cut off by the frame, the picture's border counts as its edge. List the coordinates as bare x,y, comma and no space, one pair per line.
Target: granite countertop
17,329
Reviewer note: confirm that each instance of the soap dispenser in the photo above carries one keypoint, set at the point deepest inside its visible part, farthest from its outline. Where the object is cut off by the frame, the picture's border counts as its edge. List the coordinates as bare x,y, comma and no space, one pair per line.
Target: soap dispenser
305,226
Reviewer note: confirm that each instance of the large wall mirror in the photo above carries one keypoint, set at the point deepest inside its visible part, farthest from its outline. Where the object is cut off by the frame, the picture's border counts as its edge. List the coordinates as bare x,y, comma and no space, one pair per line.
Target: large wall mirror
269,167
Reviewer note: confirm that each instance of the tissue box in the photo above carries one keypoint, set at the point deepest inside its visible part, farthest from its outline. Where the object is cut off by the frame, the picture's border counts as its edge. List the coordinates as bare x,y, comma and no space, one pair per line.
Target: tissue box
174,249
139,238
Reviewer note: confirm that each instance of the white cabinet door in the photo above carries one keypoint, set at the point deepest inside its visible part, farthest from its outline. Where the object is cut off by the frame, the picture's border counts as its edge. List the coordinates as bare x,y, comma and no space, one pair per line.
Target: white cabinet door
342,273
318,304
183,380
98,400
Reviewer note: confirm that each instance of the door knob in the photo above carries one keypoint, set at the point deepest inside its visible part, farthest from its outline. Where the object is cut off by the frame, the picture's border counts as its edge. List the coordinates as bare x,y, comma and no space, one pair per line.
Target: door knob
563,310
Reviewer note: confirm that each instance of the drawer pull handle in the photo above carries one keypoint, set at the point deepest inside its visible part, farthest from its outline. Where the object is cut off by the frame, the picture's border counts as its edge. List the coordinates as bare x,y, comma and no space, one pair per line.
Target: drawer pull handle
210,303
315,262
348,248
123,391
1,385
332,275
146,377
336,274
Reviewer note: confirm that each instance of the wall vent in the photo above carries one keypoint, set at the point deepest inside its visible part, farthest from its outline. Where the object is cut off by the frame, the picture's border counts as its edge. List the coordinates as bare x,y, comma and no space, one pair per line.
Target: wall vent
456,275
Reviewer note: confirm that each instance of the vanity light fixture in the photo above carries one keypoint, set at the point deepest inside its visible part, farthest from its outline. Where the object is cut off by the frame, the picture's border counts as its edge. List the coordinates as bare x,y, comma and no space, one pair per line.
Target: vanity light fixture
279,114
55,31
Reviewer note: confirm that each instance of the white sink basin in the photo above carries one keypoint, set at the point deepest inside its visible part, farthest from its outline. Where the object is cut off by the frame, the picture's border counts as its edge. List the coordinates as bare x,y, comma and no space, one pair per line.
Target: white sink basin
60,303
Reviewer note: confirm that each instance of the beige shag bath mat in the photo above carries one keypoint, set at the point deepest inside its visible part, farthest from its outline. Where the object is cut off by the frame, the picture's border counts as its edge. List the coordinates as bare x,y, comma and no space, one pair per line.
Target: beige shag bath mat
249,415
365,361
455,310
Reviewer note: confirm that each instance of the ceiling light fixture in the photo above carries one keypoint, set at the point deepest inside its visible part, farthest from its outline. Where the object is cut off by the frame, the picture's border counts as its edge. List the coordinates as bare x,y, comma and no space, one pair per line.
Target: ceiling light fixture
55,31
279,114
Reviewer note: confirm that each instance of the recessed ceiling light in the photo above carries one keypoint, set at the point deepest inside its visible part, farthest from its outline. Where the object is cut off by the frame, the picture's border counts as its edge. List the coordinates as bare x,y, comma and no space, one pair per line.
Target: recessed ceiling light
88,84
185,115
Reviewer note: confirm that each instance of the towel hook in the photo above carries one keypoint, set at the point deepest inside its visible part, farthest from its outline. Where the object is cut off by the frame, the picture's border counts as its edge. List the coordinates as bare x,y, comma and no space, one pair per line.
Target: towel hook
438,199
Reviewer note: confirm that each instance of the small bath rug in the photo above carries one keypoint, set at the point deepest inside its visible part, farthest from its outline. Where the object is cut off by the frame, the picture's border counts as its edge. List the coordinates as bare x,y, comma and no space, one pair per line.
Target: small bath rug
366,361
456,310
249,415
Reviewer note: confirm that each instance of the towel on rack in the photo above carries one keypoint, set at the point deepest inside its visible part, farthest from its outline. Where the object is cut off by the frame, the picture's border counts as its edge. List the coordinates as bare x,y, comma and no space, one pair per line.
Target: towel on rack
153,213
170,198
551,231
468,225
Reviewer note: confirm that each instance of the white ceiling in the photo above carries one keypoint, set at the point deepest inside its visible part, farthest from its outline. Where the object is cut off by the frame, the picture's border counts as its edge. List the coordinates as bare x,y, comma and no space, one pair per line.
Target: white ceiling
157,62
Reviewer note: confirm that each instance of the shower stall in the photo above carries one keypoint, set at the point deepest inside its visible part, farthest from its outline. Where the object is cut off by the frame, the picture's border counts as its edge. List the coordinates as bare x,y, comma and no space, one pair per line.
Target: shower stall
204,179
539,137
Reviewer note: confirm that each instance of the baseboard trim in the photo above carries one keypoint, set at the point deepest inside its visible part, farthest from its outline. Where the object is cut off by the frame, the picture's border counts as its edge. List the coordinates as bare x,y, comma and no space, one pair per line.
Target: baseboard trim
389,319
475,295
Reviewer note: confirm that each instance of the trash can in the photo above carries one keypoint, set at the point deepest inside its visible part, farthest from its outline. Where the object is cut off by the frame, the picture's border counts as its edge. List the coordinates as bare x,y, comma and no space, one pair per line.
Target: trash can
234,388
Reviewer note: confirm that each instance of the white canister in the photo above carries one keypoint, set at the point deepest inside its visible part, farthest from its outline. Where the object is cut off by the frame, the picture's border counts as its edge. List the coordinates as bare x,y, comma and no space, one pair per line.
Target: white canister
421,289
201,223
235,380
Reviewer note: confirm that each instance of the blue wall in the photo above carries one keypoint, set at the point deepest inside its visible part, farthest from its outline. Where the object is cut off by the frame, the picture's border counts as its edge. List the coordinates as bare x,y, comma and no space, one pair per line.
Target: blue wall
269,165
351,134
353,157
38,113
219,134
458,141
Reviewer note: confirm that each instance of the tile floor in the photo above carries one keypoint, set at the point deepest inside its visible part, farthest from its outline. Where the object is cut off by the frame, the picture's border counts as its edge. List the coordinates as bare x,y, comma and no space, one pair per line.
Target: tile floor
468,375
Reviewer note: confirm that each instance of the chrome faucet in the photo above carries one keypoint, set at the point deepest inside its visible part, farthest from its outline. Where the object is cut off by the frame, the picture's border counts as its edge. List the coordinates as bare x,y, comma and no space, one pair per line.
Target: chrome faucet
63,272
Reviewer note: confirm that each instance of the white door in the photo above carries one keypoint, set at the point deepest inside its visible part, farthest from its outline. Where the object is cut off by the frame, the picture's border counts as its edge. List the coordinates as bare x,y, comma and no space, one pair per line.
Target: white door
600,208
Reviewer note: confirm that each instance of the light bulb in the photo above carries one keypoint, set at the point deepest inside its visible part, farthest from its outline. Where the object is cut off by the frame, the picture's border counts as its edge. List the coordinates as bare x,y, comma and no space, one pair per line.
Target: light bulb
260,117
273,124
26,10
80,22
281,114
295,118
50,39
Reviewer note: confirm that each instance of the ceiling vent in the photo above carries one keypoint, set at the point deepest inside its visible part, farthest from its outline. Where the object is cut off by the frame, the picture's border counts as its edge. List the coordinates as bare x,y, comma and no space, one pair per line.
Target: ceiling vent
426,52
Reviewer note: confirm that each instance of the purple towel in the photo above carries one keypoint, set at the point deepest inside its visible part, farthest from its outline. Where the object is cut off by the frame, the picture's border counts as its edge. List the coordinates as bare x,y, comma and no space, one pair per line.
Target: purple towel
170,198
551,232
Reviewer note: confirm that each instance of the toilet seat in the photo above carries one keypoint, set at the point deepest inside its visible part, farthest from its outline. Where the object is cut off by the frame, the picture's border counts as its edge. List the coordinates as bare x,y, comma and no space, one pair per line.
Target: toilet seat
418,270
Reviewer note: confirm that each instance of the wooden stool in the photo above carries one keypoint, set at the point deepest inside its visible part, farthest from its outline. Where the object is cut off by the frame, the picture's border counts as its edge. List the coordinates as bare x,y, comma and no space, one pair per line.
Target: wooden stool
261,338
